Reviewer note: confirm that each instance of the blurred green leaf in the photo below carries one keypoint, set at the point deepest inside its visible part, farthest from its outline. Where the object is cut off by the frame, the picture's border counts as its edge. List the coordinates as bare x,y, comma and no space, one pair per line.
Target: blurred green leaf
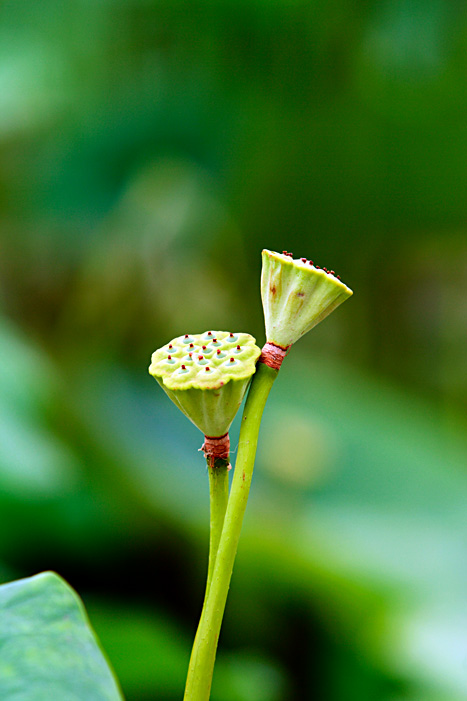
48,647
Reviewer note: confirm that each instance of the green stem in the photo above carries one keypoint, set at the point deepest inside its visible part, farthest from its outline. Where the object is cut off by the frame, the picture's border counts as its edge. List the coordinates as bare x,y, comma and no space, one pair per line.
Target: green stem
218,496
203,656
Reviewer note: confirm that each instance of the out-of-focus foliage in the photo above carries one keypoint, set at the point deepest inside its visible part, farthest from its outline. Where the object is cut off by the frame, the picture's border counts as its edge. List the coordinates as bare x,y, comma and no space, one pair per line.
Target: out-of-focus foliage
48,647
150,150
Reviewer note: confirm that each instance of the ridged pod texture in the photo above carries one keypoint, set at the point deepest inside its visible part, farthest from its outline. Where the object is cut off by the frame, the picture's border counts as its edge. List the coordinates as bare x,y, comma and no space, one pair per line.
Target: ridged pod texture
206,375
296,296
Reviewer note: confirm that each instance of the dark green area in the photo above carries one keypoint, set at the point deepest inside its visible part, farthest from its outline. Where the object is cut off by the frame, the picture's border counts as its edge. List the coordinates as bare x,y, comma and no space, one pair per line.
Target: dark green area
149,150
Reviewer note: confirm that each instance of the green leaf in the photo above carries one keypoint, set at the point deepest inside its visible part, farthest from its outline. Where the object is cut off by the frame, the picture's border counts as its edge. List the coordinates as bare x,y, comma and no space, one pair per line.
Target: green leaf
49,649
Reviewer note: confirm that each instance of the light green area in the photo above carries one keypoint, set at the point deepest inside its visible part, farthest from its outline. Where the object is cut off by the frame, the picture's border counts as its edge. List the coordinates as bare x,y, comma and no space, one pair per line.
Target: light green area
48,648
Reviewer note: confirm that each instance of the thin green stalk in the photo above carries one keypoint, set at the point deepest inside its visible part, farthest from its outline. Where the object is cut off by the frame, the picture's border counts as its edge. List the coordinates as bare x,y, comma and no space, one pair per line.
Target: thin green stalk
218,497
203,656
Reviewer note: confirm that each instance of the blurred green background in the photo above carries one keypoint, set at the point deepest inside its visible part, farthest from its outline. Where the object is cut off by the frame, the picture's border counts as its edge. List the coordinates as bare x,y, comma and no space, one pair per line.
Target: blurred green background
149,150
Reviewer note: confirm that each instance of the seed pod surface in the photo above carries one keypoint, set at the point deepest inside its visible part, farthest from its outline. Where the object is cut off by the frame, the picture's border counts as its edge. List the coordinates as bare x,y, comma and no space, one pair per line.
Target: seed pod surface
296,296
206,375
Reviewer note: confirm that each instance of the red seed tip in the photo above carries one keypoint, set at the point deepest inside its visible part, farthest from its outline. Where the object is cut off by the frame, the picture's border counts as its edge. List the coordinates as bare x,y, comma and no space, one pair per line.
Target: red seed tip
310,262
169,357
207,368
325,270
209,333
332,272
204,347
231,335
214,340
218,351
186,335
183,367
232,360
200,357
338,277
191,345
317,267
238,347
190,354
170,345
303,260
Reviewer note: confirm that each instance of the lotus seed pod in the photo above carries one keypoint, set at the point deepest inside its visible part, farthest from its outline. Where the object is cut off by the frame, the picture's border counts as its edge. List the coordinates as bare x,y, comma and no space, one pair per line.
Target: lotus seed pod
296,296
206,375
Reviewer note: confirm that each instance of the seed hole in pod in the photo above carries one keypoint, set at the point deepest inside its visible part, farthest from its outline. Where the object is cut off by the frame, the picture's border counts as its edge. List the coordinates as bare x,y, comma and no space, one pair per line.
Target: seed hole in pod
232,338
208,335
204,347
183,369
220,354
191,345
208,369
188,339
170,360
215,342
232,360
238,349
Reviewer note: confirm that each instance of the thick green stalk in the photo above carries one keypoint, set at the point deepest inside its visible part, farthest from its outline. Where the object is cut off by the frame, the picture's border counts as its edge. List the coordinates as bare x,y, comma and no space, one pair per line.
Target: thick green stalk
203,656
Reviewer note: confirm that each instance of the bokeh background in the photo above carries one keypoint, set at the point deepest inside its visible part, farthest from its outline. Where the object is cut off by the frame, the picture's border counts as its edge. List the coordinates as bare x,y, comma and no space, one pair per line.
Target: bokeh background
149,150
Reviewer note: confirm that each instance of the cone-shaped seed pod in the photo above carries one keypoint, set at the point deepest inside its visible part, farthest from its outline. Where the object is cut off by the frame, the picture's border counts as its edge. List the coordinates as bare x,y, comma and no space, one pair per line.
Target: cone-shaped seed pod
206,375
296,296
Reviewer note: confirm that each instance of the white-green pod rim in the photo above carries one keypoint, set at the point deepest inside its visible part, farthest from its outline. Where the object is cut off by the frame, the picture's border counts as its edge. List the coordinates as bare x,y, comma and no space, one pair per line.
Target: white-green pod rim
296,296
206,375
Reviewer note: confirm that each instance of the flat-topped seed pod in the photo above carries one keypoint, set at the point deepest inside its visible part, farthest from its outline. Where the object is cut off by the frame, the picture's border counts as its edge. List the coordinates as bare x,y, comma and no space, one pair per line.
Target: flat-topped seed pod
296,296
206,375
